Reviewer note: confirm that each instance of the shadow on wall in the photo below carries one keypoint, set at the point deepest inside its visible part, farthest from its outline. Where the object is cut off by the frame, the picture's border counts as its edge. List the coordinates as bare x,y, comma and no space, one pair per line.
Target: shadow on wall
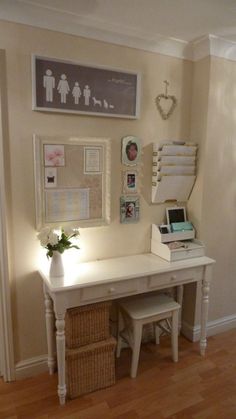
29,317
147,173
185,104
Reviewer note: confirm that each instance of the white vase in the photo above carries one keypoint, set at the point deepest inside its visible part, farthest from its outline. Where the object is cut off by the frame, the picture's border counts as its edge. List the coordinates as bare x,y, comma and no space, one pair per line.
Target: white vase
56,267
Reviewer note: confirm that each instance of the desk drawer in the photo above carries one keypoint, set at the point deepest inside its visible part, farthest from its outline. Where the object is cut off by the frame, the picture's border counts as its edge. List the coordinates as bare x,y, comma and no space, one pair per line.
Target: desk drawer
170,278
109,291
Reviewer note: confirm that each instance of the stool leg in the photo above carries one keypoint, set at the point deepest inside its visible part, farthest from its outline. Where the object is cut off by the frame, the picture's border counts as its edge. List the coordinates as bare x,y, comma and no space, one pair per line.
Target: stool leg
157,333
119,338
137,333
174,335
180,293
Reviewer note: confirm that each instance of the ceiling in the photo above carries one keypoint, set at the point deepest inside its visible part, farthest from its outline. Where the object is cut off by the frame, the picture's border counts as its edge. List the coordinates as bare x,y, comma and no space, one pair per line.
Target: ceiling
180,21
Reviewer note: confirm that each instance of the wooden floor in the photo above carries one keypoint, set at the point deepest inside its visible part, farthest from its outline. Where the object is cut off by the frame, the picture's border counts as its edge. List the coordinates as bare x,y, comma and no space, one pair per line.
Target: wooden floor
194,388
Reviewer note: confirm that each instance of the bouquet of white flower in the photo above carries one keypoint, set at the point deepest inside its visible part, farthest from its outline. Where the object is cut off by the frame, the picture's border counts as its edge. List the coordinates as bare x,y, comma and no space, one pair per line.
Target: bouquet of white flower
57,240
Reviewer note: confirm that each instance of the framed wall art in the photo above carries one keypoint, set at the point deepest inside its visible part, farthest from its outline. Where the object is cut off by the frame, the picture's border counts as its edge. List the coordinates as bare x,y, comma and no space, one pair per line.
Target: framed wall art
129,209
131,150
72,181
130,181
67,86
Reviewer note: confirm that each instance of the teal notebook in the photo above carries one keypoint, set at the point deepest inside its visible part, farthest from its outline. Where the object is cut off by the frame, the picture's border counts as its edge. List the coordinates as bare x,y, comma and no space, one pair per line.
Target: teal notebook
185,226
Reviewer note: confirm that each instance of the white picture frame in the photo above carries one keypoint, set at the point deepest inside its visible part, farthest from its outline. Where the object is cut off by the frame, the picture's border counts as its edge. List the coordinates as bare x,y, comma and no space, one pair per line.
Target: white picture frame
130,182
77,198
131,150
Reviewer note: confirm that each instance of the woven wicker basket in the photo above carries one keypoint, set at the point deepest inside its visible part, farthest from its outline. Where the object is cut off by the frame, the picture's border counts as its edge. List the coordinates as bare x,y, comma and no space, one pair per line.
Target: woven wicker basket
90,367
87,324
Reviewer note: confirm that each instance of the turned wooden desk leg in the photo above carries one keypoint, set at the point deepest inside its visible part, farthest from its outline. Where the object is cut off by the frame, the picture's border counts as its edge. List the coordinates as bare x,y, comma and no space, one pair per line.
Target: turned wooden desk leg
50,322
60,339
204,309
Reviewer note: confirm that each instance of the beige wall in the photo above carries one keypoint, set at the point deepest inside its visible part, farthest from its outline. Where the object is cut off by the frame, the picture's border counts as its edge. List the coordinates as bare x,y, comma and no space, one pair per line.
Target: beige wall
199,121
212,203
20,42
218,221
205,114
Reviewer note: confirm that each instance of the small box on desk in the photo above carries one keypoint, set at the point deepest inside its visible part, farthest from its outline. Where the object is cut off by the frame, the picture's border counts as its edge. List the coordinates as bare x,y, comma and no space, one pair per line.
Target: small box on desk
168,236
90,367
190,249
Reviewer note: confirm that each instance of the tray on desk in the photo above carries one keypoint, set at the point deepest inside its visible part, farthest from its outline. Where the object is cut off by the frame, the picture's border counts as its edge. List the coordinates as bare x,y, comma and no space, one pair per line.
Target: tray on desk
193,248
172,236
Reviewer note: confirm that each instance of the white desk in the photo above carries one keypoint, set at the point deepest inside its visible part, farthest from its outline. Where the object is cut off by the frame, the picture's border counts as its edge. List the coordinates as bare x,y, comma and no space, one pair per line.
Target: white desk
111,279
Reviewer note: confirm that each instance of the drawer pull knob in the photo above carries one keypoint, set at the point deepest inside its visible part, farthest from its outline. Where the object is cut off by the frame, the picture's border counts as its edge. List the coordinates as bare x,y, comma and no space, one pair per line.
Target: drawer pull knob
173,277
111,290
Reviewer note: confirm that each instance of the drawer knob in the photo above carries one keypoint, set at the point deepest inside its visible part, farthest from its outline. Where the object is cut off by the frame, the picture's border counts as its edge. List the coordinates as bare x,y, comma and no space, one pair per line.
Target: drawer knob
111,290
173,277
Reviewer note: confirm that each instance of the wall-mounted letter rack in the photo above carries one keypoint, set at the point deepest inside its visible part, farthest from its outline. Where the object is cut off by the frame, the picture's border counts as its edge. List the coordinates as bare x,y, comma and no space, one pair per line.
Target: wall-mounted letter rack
173,171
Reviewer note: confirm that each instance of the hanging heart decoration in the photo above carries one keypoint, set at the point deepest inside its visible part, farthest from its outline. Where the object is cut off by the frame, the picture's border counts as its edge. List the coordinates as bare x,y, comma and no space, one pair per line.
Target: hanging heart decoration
171,100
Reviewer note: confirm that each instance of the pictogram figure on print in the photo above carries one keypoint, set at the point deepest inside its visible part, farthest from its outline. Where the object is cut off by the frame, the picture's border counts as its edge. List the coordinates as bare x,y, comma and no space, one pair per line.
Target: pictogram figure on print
76,93
96,102
49,85
87,94
63,88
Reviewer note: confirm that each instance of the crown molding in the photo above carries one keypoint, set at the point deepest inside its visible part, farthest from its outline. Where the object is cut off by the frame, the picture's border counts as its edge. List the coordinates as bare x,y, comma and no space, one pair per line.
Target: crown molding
212,45
200,48
222,48
28,13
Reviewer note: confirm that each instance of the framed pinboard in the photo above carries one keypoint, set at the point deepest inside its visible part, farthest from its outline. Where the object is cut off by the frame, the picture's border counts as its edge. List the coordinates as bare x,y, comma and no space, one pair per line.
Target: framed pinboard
72,87
72,181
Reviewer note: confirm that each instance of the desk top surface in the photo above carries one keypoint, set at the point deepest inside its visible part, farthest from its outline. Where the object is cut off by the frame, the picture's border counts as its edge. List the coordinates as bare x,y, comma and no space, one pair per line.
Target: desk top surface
117,269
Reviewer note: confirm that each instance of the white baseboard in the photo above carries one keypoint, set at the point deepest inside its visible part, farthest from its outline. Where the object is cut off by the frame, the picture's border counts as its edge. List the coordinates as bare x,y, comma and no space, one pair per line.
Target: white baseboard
33,366
213,327
30,367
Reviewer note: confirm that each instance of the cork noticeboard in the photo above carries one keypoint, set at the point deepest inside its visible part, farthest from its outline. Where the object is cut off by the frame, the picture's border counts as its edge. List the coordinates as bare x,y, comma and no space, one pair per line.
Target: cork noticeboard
72,181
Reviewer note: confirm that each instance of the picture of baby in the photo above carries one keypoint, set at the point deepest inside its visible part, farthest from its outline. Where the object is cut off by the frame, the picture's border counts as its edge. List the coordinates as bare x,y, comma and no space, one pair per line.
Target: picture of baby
131,181
131,150
129,209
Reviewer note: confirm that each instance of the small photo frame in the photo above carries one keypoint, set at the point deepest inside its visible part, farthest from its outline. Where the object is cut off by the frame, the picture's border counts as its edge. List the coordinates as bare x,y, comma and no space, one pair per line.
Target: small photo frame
175,215
50,176
54,155
131,150
129,209
130,181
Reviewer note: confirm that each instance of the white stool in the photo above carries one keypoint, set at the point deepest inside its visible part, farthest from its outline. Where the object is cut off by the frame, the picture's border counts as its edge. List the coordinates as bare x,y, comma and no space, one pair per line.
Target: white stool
134,313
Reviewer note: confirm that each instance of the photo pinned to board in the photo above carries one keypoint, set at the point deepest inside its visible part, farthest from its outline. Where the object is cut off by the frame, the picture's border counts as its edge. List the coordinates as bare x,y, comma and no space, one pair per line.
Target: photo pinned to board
131,150
54,155
50,176
129,209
